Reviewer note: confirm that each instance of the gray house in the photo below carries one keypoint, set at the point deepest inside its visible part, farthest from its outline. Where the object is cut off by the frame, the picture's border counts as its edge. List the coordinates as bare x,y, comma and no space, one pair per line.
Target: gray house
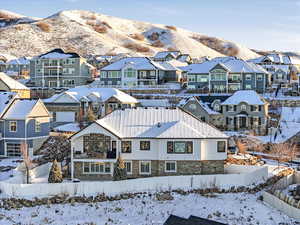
226,75
138,71
245,110
59,69
18,67
22,120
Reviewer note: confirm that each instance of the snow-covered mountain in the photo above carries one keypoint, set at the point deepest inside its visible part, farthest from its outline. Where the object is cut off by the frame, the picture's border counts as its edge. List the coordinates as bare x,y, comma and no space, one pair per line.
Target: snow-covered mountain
87,33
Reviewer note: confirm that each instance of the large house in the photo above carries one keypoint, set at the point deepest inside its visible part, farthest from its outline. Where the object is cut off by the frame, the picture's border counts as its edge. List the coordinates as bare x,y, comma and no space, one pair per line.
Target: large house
138,71
245,110
152,142
59,69
69,105
226,74
22,120
11,85
172,55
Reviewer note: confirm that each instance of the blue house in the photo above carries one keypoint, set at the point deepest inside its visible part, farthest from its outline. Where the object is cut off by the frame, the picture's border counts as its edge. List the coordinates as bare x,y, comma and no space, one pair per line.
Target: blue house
22,120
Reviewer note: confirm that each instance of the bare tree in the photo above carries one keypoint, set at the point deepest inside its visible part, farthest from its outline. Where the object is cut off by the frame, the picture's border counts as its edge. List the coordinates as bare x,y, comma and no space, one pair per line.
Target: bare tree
26,159
242,147
283,152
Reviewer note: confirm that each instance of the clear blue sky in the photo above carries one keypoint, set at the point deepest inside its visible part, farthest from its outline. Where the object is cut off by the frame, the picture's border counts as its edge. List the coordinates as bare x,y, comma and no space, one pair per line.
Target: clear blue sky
260,24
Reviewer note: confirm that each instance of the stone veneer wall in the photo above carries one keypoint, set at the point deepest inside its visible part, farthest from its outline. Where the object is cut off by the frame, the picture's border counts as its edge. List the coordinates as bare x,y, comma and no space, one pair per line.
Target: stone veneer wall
187,167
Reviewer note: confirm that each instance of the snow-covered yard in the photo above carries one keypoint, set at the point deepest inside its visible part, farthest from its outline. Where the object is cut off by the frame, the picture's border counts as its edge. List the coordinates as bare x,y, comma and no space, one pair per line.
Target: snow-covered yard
239,209
7,166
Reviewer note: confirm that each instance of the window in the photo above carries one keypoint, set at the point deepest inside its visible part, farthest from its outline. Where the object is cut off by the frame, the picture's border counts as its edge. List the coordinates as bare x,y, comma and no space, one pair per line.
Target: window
248,77
243,107
69,82
113,74
254,108
235,77
13,126
128,166
103,74
37,126
143,74
202,78
126,146
129,73
193,106
259,77
96,167
248,86
191,78
230,108
145,167
145,145
13,149
180,147
218,76
217,107
170,166
221,146
152,73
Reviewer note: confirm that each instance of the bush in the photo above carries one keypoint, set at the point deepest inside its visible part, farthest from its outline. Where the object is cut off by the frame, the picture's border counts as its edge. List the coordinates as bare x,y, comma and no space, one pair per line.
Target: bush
136,47
172,49
106,24
55,175
158,44
138,37
44,26
100,28
119,170
171,28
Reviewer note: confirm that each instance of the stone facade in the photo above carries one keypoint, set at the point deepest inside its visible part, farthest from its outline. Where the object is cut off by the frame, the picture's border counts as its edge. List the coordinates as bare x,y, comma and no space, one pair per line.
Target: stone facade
184,167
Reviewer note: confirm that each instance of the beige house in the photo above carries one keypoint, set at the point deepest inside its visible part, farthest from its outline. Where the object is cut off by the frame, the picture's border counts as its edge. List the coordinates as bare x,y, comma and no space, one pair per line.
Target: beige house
11,85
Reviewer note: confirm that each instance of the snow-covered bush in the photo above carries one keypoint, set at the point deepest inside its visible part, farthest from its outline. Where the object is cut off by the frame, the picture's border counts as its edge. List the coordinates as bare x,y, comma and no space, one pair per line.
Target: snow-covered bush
136,47
137,36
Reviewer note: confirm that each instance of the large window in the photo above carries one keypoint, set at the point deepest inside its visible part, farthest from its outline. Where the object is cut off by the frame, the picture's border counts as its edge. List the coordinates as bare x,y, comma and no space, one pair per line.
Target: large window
248,77
243,107
218,75
129,73
103,74
145,145
180,147
221,146
126,146
170,166
13,126
128,166
96,167
145,167
202,78
13,149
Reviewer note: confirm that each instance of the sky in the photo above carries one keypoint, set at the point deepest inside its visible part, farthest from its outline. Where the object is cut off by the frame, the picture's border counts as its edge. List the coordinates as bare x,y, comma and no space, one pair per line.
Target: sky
258,24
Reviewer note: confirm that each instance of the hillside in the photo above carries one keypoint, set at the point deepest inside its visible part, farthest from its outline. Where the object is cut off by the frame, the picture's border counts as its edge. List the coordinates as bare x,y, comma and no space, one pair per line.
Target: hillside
90,33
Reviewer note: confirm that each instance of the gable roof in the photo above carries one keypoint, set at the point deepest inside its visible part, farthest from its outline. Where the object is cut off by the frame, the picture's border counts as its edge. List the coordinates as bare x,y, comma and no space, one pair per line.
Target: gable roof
6,99
164,54
58,53
203,105
20,109
248,96
19,61
84,92
157,123
12,83
232,64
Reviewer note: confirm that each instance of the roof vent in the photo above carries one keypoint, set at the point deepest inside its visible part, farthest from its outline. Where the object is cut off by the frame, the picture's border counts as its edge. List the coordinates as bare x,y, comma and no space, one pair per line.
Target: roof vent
158,124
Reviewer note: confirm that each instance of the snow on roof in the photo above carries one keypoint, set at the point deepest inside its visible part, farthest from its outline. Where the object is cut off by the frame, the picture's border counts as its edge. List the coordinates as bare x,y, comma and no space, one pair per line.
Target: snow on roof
58,54
69,127
284,68
234,65
104,94
6,99
164,54
12,83
290,114
204,105
138,63
154,102
20,109
248,96
157,123
19,61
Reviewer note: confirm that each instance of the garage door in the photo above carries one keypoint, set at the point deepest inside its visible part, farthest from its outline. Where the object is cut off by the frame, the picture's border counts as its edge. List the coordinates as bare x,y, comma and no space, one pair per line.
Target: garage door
65,116
13,149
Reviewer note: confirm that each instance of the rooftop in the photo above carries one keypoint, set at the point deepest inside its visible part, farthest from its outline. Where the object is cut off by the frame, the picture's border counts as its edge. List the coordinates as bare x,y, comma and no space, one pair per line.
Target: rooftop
248,96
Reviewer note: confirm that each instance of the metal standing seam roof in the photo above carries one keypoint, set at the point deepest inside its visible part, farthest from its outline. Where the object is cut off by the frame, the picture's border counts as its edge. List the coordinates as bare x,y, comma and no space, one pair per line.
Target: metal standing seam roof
157,123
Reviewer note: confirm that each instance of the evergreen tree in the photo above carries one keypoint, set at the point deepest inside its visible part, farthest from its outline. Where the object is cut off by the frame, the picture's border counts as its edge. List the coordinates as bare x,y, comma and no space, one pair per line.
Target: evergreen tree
120,170
55,175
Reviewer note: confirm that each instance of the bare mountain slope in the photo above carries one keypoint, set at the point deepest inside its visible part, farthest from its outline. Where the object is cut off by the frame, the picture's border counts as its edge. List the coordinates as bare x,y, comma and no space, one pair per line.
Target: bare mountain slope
90,33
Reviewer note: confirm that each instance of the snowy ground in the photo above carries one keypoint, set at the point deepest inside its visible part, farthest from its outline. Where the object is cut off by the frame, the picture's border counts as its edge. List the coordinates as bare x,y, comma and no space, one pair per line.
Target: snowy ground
238,209
11,162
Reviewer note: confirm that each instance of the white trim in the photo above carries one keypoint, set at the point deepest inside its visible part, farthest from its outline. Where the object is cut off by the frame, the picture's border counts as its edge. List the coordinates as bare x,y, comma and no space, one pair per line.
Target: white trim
145,173
110,168
171,171
95,160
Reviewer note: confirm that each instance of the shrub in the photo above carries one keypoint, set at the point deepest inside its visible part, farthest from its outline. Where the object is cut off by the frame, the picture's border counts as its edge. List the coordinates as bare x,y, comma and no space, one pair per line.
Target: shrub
55,175
158,44
172,49
136,47
44,26
90,23
119,170
100,28
88,17
154,36
18,27
171,27
106,24
138,37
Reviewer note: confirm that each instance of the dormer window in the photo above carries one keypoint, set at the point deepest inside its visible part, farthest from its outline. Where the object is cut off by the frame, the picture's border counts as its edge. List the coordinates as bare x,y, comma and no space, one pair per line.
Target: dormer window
243,107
